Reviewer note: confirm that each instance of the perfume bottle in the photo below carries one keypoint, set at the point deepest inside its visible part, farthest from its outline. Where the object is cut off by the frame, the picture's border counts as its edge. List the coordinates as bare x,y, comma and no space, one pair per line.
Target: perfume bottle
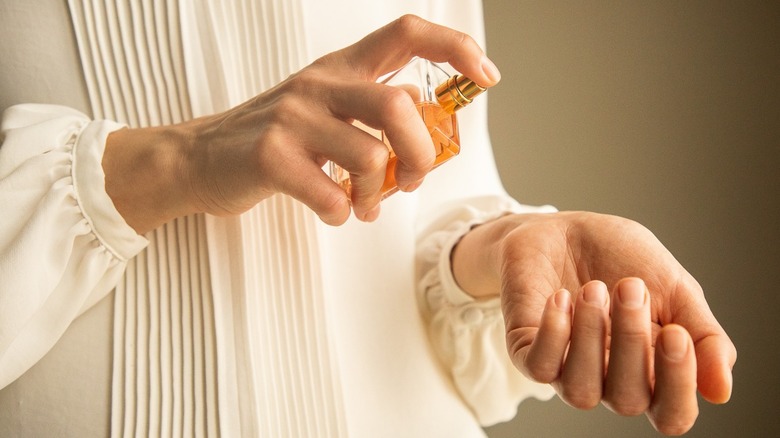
437,96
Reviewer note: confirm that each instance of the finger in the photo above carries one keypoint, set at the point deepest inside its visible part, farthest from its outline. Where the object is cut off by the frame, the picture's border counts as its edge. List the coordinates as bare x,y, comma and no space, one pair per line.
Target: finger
314,188
627,387
543,359
361,154
715,353
674,408
292,161
366,163
582,379
390,47
392,110
366,160
283,161
528,278
716,356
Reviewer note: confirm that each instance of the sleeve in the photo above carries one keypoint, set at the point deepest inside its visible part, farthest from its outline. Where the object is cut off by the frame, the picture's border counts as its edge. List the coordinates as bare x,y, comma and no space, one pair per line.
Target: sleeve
468,334
63,245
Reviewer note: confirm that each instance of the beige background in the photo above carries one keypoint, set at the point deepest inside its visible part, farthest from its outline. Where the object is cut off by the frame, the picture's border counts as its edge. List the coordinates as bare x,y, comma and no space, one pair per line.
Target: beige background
666,112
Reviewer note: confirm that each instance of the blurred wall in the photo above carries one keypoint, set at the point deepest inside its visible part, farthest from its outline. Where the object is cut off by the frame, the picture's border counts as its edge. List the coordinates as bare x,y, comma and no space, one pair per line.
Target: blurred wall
666,112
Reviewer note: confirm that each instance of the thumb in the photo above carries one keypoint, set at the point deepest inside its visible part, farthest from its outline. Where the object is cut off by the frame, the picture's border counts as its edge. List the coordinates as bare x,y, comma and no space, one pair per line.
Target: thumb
392,46
715,358
715,353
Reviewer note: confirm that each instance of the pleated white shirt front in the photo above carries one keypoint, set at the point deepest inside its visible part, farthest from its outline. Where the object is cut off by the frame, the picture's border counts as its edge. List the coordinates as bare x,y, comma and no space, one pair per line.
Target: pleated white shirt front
267,324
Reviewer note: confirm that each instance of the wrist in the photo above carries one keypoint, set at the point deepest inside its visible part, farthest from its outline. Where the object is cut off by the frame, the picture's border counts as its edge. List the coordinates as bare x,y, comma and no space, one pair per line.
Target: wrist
145,171
476,258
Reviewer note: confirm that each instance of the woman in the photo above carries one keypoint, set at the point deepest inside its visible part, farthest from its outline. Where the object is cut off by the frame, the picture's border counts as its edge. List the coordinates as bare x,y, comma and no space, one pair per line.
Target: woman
265,320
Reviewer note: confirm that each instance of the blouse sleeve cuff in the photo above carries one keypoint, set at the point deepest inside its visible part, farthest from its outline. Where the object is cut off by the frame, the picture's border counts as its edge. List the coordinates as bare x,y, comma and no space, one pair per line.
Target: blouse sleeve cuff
484,210
89,184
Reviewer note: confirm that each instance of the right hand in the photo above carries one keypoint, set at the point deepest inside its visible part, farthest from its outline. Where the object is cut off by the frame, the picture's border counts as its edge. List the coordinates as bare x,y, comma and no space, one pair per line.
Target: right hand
278,141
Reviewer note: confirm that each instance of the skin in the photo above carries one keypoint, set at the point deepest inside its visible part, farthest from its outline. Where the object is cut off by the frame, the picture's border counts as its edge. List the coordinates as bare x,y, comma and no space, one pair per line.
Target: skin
597,307
278,141
593,304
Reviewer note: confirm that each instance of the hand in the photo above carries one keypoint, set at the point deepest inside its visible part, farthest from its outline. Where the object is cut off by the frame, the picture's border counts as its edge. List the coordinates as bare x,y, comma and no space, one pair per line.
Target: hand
643,348
279,140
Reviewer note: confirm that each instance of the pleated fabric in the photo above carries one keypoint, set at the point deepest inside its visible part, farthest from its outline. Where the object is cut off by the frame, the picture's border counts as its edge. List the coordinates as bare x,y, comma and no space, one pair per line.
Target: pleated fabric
283,350
164,378
281,338
131,54
219,325
164,355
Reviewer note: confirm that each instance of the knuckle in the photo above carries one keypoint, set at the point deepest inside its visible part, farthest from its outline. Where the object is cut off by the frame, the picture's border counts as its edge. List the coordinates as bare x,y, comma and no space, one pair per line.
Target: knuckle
363,208
303,87
287,110
333,207
516,341
372,159
407,26
631,330
412,168
589,325
519,342
274,142
629,408
676,426
581,398
630,338
397,105
631,411
424,160
375,159
541,371
541,374
465,40
271,144
304,81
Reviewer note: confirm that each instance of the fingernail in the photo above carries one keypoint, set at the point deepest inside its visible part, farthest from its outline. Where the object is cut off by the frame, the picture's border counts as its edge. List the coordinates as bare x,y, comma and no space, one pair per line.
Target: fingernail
632,293
413,186
675,345
490,70
563,300
371,215
730,378
595,293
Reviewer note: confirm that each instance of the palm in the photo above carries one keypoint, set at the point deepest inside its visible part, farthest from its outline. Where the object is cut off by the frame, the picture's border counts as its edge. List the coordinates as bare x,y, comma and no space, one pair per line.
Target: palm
576,248
547,253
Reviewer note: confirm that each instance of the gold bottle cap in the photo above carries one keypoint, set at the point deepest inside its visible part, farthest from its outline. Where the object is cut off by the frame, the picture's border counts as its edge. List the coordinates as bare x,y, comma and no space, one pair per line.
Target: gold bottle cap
457,92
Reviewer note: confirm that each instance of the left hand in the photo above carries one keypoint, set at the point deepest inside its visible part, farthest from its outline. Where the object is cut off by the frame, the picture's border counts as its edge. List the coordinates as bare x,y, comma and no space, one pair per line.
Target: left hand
644,348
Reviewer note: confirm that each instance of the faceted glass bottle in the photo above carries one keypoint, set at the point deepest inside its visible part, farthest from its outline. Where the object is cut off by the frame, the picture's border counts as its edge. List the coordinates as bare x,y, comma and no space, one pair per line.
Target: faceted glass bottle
437,97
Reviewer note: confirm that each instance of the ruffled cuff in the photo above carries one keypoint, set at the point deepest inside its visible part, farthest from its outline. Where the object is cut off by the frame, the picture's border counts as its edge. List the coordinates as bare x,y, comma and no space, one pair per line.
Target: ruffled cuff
89,184
63,244
467,334
27,132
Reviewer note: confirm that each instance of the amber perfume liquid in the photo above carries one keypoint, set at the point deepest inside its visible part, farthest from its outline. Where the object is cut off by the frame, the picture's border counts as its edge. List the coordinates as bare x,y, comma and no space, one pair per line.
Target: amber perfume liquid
443,128
437,97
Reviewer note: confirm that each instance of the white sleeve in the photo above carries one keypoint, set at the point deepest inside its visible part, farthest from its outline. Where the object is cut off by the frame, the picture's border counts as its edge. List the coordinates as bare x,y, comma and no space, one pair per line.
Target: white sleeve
468,335
63,245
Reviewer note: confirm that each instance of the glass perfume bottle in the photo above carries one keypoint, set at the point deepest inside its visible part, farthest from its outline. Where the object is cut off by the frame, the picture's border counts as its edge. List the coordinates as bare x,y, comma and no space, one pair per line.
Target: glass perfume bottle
437,96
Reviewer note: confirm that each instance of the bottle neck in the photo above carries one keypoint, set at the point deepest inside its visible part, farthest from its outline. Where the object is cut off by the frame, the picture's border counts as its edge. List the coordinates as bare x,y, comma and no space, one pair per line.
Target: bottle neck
457,92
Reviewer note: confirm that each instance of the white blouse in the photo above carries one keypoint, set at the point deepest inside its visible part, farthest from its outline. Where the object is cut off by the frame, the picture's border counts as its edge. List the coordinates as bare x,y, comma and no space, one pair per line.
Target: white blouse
267,324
